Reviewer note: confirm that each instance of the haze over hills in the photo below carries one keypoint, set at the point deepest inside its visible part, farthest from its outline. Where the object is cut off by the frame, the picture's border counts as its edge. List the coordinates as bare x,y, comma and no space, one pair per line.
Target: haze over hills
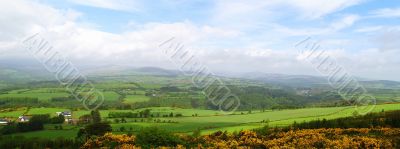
297,81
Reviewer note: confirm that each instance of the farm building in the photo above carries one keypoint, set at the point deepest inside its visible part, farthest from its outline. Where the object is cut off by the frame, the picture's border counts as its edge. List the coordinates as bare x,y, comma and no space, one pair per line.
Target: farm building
67,115
4,122
23,118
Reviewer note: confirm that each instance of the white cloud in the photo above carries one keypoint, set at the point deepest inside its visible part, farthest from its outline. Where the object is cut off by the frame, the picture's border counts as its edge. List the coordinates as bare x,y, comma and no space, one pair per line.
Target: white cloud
345,22
122,5
386,12
309,9
20,18
263,19
138,46
335,26
368,29
388,39
314,9
87,44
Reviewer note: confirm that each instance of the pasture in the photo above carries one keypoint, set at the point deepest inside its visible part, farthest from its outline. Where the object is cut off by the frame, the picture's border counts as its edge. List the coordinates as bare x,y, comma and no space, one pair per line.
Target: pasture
135,98
50,111
50,134
40,95
206,120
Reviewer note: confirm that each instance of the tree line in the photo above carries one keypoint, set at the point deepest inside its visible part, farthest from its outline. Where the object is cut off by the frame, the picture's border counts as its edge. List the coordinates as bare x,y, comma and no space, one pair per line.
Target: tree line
35,123
371,120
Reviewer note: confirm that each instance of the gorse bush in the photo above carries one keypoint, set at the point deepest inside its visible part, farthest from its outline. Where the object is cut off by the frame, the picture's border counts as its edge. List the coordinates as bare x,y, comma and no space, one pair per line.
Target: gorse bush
307,138
154,137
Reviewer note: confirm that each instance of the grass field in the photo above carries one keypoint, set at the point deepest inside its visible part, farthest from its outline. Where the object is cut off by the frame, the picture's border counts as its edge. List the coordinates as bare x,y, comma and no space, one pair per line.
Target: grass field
110,96
135,92
50,134
207,120
174,127
40,95
46,90
135,98
103,113
12,114
51,111
115,85
18,91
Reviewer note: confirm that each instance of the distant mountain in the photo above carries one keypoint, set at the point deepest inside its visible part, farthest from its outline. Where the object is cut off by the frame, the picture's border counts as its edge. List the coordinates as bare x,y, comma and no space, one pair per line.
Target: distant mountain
157,71
287,80
23,73
10,75
313,81
381,84
121,70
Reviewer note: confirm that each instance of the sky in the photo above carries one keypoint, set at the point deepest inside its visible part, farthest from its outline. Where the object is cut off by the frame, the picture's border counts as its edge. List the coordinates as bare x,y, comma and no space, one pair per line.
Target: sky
227,36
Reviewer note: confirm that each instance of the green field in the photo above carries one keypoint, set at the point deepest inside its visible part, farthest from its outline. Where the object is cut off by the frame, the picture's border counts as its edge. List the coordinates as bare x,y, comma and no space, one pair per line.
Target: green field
135,98
50,134
250,121
51,111
207,120
40,95
12,114
110,96
135,92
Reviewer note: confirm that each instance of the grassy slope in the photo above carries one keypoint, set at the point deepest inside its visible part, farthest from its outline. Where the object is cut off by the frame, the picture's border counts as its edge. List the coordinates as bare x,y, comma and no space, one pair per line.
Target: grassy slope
40,96
51,111
135,98
209,121
50,134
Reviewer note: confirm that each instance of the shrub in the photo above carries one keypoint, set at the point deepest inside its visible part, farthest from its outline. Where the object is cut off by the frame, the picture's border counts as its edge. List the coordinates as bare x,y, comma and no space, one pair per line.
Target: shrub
154,137
97,129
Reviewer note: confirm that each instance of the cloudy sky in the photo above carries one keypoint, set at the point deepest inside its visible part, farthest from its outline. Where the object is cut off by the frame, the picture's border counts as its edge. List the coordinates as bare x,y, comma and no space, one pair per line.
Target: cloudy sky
225,35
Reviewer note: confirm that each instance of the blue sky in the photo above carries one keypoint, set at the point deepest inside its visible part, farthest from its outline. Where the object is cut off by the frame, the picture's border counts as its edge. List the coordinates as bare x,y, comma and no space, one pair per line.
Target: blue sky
227,35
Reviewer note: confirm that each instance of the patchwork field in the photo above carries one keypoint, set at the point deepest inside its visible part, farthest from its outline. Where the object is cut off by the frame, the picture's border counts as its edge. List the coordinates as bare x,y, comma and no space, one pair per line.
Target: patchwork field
12,114
51,111
206,120
40,95
49,134
135,98
165,103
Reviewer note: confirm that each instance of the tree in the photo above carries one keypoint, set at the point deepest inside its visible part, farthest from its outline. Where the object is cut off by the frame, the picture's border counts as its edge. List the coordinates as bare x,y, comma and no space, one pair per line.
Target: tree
96,118
122,129
9,129
84,119
195,103
116,120
355,113
146,113
153,137
97,129
123,120
58,119
42,118
196,133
